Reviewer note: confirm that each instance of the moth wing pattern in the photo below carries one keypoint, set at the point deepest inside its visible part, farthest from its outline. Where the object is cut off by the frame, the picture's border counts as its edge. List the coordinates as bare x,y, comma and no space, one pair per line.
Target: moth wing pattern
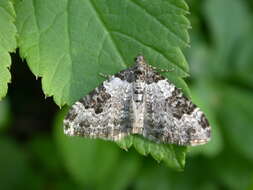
172,118
140,101
103,113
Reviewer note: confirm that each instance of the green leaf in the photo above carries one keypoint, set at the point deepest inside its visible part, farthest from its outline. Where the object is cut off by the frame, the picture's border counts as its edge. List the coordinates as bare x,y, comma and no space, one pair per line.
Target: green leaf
226,34
201,58
243,64
68,43
124,174
153,178
172,155
41,148
236,118
5,114
16,171
7,43
231,170
251,185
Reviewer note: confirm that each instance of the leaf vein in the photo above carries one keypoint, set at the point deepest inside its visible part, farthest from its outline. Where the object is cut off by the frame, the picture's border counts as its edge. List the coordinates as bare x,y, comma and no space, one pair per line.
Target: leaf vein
151,47
108,31
159,22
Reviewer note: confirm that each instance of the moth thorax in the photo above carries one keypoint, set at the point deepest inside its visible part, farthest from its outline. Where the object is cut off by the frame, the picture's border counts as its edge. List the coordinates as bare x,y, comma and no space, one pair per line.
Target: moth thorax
138,91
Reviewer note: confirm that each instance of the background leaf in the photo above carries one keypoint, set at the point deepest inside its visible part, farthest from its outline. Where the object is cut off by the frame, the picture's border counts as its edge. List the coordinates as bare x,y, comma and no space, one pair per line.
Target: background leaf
15,171
153,178
228,172
238,125
7,43
5,114
243,64
226,40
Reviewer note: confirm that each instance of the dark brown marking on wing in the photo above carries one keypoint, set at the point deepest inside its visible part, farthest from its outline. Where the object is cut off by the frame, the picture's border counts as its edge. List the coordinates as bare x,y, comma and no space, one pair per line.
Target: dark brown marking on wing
126,75
96,99
179,104
153,76
208,132
191,131
203,121
71,115
84,123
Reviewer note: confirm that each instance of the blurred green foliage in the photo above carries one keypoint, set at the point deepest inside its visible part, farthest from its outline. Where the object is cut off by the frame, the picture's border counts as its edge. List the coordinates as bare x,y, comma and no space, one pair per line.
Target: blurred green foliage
221,83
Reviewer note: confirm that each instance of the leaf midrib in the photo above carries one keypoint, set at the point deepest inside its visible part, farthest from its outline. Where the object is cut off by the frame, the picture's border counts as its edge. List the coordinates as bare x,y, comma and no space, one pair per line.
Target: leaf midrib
101,21
151,47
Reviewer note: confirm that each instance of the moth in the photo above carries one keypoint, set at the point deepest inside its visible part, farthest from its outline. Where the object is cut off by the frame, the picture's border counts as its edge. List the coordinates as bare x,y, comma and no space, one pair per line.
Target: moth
140,101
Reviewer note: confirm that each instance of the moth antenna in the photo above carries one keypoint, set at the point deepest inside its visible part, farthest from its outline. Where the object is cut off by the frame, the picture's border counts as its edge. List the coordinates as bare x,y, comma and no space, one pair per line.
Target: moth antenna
166,70
107,76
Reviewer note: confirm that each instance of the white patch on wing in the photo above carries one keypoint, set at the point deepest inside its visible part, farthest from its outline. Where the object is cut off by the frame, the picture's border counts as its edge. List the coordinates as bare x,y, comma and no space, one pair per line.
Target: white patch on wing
116,85
166,87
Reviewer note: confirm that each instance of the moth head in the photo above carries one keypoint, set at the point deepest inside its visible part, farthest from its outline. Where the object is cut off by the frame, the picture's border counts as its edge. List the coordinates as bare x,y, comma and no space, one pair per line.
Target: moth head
140,66
140,61
139,58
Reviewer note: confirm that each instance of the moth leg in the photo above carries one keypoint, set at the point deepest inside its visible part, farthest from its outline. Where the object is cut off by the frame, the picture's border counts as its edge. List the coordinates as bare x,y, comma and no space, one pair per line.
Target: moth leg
166,70
162,70
107,76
